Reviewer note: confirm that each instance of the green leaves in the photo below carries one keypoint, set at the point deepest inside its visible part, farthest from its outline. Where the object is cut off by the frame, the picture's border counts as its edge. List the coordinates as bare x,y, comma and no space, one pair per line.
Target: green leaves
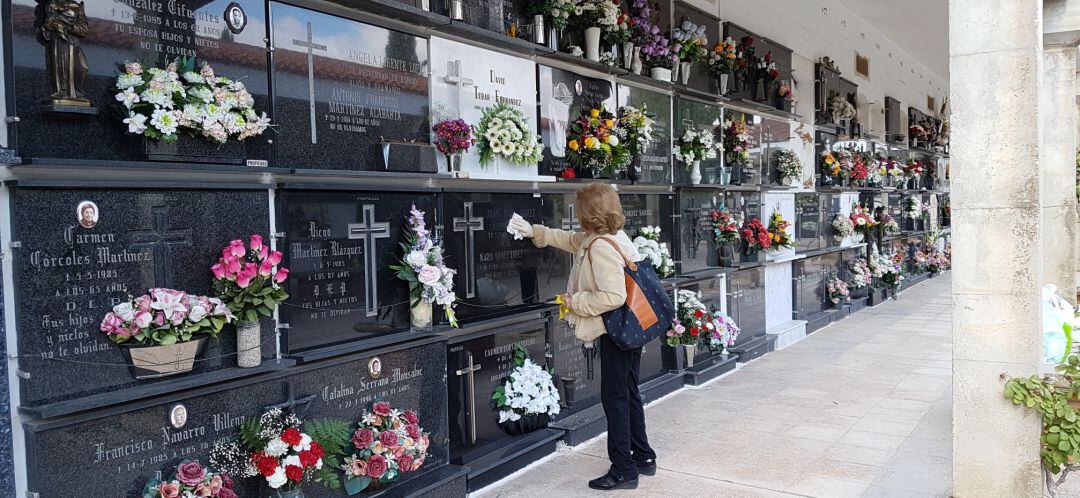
1052,396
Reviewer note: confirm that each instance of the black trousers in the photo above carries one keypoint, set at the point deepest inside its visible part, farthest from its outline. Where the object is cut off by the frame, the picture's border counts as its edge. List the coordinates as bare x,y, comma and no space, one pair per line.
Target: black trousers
627,443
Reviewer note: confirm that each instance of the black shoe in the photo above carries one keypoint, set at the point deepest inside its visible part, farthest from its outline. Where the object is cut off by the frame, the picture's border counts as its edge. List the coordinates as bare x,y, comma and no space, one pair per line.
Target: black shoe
647,467
608,482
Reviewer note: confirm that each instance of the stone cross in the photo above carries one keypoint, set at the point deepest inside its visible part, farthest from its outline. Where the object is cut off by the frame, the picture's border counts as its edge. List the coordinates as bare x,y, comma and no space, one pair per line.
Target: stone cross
453,77
571,222
310,45
469,225
160,238
470,395
368,231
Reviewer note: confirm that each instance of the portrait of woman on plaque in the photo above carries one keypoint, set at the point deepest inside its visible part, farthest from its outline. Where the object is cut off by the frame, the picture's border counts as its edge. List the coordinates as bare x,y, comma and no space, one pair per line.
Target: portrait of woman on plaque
87,213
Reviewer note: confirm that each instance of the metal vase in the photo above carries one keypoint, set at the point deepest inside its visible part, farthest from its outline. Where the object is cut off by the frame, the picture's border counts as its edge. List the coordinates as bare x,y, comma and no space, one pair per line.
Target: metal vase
151,362
684,71
248,344
420,316
457,10
691,350
628,54
538,29
723,83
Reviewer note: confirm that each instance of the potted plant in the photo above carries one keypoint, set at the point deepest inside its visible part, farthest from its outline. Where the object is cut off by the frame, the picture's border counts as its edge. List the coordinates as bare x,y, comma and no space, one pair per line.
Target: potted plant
692,322
649,245
688,43
453,137
635,126
788,166
723,62
593,143
695,145
527,399
423,267
755,238
190,478
161,332
778,232
504,132
725,231
161,103
387,445
736,134
248,279
836,291
724,333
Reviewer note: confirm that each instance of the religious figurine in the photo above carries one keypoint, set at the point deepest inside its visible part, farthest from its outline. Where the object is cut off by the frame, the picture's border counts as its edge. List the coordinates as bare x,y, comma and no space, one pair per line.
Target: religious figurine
61,24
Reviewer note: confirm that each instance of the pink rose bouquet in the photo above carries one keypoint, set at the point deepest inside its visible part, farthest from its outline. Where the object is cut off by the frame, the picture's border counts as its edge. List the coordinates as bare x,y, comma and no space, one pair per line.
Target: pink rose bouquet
190,479
422,266
837,290
164,317
387,444
248,278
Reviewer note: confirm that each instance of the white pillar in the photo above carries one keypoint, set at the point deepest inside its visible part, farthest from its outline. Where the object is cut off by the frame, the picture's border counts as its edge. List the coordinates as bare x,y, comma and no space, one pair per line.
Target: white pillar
995,50
1057,166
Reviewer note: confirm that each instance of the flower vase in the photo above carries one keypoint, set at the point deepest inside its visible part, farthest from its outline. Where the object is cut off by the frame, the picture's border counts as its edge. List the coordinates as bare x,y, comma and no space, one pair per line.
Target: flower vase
690,352
453,163
628,54
675,71
725,175
592,44
684,71
725,353
660,73
248,344
635,64
727,254
553,38
420,316
695,172
290,493
723,80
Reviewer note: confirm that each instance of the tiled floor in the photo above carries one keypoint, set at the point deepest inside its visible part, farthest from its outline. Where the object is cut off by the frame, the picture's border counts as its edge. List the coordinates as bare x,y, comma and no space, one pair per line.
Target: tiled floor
859,408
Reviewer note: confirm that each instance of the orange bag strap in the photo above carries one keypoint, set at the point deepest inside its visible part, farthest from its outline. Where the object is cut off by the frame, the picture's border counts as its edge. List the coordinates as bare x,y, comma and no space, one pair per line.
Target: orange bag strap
629,264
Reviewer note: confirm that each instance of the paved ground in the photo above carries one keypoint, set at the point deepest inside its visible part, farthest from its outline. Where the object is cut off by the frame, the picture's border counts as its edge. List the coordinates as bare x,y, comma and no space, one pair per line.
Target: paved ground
860,408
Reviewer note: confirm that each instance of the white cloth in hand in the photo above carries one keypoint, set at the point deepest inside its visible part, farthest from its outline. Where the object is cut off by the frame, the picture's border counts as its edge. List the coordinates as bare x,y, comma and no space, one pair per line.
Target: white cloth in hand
519,227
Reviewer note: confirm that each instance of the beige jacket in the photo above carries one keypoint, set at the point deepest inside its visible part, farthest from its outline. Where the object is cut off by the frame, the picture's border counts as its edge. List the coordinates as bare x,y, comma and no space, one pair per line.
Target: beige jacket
597,281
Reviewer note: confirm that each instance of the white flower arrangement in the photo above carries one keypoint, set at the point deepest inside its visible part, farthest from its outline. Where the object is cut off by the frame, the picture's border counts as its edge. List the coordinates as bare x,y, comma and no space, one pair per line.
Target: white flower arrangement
725,332
696,145
160,102
861,276
913,209
788,165
504,132
637,125
528,390
648,244
605,12
843,226
840,108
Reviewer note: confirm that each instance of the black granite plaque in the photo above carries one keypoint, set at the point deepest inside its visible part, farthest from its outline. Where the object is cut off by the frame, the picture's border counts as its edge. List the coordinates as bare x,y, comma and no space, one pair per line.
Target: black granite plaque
151,32
830,207
810,228
343,87
572,374
749,172
644,210
119,450
759,89
696,246
655,164
481,364
68,275
700,77
563,94
776,136
484,14
746,302
495,273
810,274
340,248
652,361
698,115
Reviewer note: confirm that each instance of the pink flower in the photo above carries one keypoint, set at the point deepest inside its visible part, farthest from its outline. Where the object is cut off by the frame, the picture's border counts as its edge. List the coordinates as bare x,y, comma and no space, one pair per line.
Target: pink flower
226,493
190,472
169,490
233,267
389,439
243,279
417,463
413,431
274,258
266,268
376,466
236,249
363,438
359,468
216,484
111,323
143,319
405,463
159,318
265,251
429,275
411,417
281,275
143,303
256,242
381,408
219,271
203,491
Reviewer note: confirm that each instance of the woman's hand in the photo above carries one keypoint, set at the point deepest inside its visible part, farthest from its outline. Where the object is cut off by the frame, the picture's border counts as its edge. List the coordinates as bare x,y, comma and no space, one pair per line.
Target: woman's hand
568,301
521,226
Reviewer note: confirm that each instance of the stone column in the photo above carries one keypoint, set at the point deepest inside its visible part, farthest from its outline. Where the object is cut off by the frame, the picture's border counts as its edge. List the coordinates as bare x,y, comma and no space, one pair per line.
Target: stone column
995,51
1057,165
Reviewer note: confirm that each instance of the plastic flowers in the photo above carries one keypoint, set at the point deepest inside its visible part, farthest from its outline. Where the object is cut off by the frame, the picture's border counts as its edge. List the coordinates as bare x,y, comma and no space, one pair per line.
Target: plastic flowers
528,390
778,232
723,59
861,219
736,141
755,236
886,224
594,142
452,136
165,317
688,42
912,208
724,225
837,290
648,244
636,128
282,454
888,270
249,279
503,132
386,444
788,165
843,226
860,273
422,266
695,145
724,331
190,478
560,11
840,108
692,320
160,102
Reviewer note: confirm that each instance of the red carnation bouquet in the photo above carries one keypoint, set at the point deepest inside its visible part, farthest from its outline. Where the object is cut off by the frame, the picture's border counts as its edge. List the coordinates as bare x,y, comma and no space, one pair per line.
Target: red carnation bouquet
693,321
756,236
387,444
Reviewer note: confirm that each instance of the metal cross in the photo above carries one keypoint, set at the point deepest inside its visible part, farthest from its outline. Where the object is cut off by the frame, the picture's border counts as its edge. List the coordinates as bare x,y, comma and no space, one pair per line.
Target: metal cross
160,239
469,225
310,45
470,395
368,230
571,221
291,402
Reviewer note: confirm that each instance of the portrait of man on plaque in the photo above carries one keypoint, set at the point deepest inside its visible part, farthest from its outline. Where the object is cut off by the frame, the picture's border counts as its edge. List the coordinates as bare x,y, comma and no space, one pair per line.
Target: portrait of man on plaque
87,213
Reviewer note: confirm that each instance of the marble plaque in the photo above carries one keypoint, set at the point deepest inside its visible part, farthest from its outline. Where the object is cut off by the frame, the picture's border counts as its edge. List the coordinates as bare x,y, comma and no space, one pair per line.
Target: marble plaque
746,302
809,225
656,161
697,249
84,250
563,94
342,88
697,115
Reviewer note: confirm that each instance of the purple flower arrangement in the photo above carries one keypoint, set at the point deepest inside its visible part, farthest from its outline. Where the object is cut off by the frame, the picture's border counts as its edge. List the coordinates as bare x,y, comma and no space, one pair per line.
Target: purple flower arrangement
452,136
655,47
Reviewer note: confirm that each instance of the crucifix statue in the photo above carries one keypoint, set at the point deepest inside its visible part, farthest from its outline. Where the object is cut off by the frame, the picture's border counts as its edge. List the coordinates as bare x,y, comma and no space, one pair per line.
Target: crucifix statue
60,25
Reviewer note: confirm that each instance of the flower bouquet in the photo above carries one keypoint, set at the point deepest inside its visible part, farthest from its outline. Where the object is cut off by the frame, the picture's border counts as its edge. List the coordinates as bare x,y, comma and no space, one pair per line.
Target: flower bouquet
452,138
840,109
755,238
635,126
746,59
886,224
914,170
862,220
248,279
694,146
889,271
912,208
387,444
692,323
528,398
836,165
648,244
836,290
689,44
559,12
843,227
272,446
861,276
736,144
778,232
859,171
159,102
724,332
788,166
596,17
422,266
504,132
723,62
164,330
593,142
652,47
190,479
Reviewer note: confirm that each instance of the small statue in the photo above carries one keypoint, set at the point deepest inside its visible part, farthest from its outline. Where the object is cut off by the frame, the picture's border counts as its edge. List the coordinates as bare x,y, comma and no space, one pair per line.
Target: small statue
60,25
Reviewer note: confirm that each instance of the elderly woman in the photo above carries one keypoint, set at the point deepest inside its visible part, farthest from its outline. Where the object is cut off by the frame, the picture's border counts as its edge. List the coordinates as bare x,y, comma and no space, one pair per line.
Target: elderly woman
596,285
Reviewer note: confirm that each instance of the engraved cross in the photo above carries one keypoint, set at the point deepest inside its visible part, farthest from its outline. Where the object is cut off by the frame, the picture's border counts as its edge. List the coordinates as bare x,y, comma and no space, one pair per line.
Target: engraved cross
368,231
311,46
160,239
469,225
